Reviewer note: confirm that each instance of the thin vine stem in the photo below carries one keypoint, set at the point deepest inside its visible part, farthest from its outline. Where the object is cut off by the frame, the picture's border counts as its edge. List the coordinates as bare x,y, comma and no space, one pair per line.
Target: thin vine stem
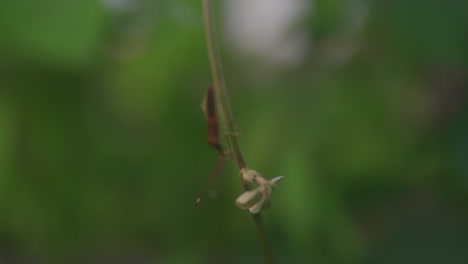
222,98
219,85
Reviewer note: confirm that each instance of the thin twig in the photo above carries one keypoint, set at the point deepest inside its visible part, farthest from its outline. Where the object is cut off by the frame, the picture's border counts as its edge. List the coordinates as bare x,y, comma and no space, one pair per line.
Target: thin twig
226,116
219,84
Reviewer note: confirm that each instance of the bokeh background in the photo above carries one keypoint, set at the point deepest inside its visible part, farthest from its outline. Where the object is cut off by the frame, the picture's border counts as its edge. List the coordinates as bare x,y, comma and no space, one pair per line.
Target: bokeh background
361,105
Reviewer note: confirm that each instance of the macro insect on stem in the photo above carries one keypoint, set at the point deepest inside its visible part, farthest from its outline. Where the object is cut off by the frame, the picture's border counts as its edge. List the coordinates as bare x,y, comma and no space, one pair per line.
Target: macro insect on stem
213,138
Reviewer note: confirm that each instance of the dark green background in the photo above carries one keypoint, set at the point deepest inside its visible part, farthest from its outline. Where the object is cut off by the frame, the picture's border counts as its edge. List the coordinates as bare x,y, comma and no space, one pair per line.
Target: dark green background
103,144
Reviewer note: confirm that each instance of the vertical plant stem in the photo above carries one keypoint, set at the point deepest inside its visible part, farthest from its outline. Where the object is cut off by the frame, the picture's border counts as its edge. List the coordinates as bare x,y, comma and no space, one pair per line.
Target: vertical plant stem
263,238
219,85
226,116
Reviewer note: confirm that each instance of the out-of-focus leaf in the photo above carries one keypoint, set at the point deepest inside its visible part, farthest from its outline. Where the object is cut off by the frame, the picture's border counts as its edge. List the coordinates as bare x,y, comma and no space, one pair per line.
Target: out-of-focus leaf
51,32
424,31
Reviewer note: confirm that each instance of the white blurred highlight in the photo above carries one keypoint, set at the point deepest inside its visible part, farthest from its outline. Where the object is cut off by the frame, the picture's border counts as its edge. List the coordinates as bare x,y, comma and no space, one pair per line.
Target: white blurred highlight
266,29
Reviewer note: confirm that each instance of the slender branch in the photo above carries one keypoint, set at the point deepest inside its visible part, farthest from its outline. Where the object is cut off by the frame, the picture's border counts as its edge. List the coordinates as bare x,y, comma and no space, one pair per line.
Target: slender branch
263,238
222,98
219,85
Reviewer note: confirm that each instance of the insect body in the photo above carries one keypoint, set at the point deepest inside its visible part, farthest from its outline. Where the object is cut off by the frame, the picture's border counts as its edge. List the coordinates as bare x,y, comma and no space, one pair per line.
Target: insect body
213,137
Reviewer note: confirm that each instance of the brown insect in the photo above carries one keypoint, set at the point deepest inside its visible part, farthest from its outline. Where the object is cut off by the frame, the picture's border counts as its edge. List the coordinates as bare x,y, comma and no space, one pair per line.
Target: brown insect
213,138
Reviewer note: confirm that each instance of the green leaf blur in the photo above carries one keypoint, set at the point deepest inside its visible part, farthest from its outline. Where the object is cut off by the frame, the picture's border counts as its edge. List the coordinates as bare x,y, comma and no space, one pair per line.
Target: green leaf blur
103,143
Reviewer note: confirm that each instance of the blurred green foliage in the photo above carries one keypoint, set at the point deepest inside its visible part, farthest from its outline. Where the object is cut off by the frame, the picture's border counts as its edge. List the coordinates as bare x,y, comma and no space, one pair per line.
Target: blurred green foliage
103,148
